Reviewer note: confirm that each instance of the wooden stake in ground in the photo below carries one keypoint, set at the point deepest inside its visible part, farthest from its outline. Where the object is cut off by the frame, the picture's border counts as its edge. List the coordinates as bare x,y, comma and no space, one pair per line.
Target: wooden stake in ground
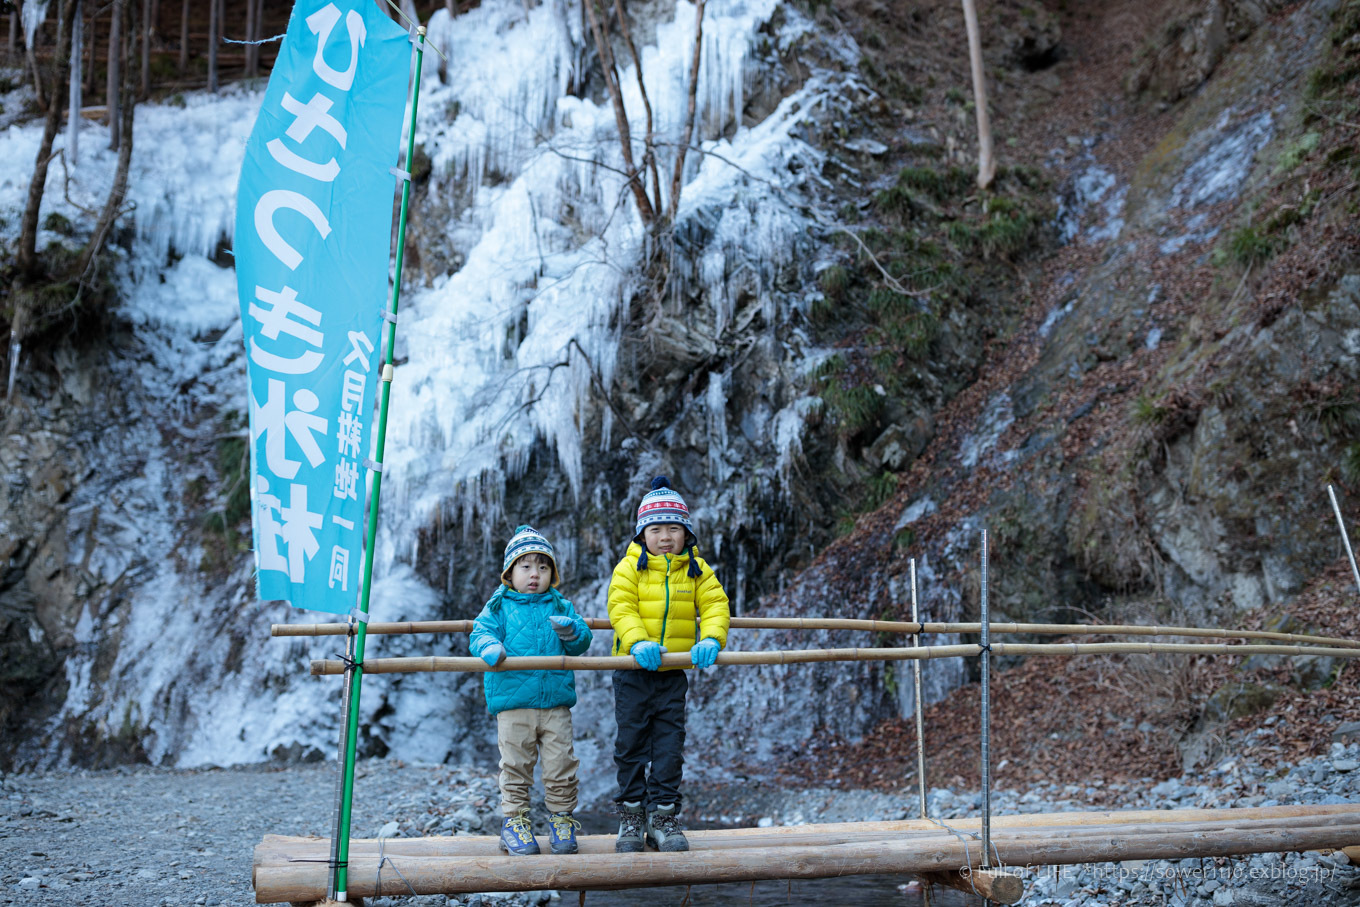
986,165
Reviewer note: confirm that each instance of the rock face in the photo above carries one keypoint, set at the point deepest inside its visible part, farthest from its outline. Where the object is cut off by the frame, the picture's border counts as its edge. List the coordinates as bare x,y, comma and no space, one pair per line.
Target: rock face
1137,425
1189,46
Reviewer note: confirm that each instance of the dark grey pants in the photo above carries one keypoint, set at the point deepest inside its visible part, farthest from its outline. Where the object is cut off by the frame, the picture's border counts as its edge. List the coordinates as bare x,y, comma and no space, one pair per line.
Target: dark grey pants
649,707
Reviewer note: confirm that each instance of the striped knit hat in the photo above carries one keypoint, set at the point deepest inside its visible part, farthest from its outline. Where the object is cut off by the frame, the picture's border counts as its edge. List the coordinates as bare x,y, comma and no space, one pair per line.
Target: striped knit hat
528,540
664,505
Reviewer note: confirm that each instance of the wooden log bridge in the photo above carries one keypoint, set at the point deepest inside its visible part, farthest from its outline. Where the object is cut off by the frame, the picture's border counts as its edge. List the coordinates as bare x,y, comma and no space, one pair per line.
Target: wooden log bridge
295,869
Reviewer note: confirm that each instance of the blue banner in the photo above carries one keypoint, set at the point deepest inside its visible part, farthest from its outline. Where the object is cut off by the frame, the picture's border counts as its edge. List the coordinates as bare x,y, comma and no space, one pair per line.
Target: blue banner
312,245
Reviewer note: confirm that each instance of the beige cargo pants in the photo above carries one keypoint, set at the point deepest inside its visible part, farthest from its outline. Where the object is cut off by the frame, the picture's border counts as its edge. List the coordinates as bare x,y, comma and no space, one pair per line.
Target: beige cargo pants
524,734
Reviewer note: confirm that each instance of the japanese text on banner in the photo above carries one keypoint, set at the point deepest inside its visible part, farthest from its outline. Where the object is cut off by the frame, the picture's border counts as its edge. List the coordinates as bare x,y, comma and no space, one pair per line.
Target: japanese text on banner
313,232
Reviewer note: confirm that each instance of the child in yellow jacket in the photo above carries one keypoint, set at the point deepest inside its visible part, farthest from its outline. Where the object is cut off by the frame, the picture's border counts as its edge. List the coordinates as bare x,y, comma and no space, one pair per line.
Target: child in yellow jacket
663,597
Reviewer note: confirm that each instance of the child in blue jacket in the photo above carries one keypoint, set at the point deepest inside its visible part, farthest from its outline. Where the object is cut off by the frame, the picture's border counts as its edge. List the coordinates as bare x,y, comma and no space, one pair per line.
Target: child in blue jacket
528,616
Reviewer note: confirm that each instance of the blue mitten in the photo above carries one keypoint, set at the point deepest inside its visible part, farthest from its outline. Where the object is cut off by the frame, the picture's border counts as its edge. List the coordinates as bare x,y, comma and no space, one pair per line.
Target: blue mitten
565,627
705,653
647,654
493,654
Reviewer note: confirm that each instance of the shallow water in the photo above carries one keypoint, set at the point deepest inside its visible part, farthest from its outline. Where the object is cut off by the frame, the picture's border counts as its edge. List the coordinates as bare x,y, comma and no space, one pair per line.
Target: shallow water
847,891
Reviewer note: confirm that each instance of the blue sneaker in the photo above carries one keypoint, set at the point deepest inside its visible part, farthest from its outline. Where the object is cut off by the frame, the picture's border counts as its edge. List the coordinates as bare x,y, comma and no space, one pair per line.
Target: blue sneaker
562,832
516,836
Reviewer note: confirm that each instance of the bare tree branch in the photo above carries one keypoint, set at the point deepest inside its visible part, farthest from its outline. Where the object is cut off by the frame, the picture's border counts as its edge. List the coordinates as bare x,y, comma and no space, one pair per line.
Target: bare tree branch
649,148
113,207
611,80
690,110
28,232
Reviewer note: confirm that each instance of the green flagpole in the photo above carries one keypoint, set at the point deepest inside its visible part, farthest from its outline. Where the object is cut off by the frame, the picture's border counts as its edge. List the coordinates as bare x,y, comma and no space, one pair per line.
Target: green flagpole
355,670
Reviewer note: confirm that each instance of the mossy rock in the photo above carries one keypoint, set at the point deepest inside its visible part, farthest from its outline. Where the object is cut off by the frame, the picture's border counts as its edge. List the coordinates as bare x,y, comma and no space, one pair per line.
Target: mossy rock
1235,700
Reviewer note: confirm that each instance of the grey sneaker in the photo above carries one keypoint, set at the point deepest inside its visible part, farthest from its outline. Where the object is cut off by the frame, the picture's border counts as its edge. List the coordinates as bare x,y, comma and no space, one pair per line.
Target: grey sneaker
631,821
664,831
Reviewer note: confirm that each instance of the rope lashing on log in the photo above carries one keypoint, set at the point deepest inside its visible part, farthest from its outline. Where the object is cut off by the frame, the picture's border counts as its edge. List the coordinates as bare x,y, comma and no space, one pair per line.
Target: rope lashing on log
439,664
406,628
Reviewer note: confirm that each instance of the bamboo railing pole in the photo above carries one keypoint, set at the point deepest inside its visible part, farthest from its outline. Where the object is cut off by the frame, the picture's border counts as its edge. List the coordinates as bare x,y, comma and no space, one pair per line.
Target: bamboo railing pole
1345,536
299,881
986,736
836,623
339,877
920,708
434,663
1117,648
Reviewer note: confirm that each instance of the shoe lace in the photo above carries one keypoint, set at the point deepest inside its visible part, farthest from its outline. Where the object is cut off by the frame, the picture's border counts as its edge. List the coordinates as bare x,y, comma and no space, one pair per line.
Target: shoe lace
668,823
632,825
519,825
564,826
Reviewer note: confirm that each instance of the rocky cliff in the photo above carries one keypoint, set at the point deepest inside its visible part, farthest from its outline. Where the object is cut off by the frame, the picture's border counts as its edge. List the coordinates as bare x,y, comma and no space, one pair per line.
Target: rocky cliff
1132,359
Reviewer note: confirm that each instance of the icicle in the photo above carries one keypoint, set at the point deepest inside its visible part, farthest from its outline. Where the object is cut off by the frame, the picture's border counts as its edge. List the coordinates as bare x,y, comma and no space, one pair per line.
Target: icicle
13,364
34,13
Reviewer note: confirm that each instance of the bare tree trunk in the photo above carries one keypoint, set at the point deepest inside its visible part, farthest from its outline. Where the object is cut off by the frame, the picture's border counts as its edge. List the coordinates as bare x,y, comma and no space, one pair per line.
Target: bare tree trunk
27,257
184,38
214,17
690,111
113,206
28,231
636,179
114,81
649,141
986,165
146,48
91,42
252,35
13,46
74,100
37,74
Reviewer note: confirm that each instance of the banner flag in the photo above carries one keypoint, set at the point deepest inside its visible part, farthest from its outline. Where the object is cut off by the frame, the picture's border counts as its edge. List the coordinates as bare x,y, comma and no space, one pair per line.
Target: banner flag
312,246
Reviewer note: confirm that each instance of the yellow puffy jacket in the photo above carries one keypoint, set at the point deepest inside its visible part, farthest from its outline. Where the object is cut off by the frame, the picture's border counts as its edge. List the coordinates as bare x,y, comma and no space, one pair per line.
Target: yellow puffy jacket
665,604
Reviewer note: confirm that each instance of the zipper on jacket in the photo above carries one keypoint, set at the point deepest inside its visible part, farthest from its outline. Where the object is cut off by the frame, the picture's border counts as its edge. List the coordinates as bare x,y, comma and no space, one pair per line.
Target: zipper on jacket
666,584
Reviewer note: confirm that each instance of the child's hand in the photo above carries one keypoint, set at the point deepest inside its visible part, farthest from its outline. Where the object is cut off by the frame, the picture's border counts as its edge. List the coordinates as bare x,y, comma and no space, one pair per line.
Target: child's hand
493,654
647,654
566,629
705,653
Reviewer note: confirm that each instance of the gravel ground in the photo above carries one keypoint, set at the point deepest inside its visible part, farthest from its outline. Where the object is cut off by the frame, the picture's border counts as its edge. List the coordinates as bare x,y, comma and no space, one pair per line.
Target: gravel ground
162,838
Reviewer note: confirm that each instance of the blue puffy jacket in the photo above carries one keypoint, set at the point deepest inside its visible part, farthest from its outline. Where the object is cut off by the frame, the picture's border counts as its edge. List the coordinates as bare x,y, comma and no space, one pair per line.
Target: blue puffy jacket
520,623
